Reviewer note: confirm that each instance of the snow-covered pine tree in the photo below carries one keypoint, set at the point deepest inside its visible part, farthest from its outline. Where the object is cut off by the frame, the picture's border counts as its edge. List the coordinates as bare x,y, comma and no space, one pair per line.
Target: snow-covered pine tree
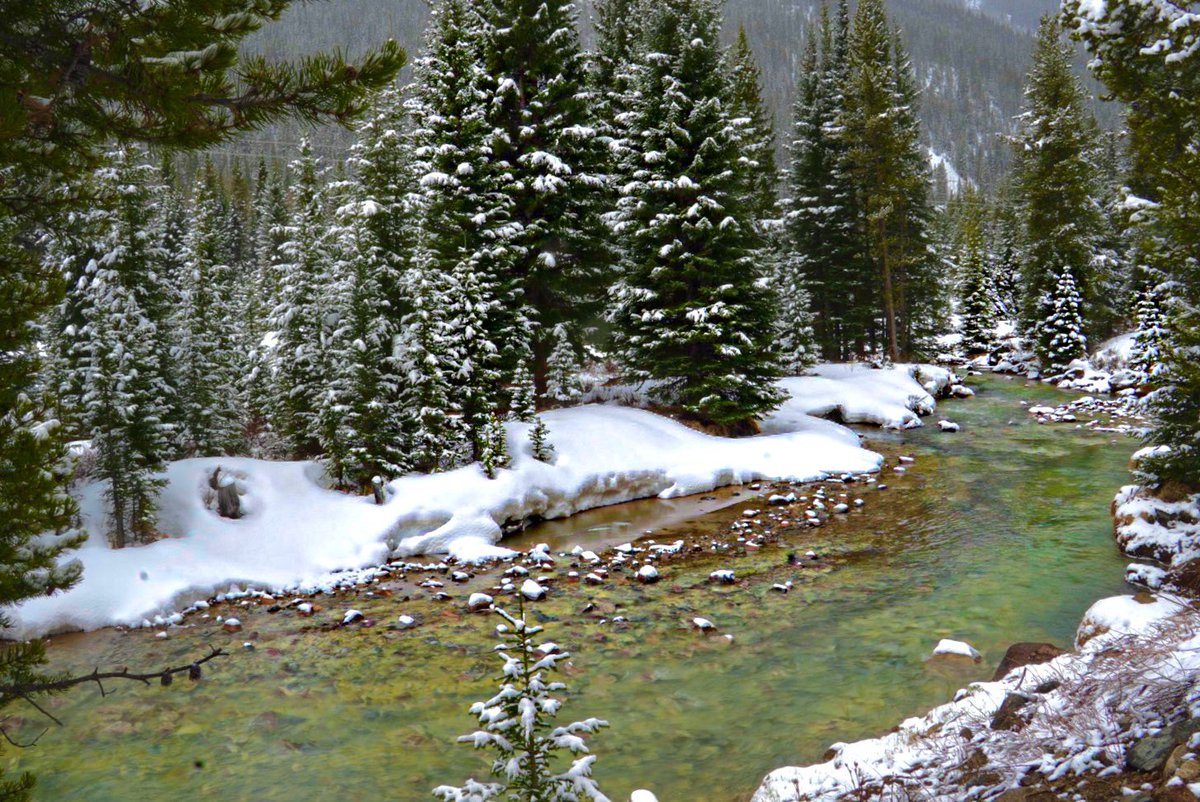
922,288
748,111
550,162
211,362
977,306
494,445
692,309
1057,183
170,233
517,724
362,421
117,354
1005,242
428,364
821,214
522,406
1064,326
299,319
562,371
271,218
1150,340
384,165
797,340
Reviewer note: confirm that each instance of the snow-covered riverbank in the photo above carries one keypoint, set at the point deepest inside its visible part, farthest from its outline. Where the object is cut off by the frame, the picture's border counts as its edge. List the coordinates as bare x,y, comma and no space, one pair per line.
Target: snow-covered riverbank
1122,709
297,534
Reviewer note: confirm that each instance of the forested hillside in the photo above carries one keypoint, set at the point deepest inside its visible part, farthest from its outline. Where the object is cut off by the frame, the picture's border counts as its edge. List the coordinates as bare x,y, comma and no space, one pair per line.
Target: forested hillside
970,63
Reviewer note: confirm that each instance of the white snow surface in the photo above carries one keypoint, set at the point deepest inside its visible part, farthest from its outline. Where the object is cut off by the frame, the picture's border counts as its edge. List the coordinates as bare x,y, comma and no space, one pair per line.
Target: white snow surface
297,535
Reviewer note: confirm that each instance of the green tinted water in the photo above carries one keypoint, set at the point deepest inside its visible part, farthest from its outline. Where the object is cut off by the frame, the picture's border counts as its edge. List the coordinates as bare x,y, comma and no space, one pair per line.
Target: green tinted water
998,534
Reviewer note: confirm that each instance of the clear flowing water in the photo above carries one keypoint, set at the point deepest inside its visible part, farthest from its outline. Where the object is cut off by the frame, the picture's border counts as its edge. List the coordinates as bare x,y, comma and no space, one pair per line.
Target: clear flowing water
998,534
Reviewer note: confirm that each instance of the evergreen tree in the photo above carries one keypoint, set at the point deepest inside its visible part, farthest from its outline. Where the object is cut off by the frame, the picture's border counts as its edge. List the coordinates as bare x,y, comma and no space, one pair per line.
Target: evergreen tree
1147,58
462,268
210,357
517,724
300,320
1150,341
120,352
362,422
822,218
797,341
562,371
692,310
271,218
545,151
1057,183
748,111
1006,242
428,367
977,306
522,407
493,451
888,173
1064,327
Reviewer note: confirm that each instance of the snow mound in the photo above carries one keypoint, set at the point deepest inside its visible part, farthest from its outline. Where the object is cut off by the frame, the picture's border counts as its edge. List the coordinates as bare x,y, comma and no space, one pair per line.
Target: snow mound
894,398
1125,615
297,535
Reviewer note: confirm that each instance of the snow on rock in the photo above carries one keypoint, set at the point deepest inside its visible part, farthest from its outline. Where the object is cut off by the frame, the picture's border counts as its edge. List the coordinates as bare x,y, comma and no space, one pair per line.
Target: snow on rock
532,590
948,426
351,616
947,646
648,574
642,795
299,536
1149,527
478,602
1125,615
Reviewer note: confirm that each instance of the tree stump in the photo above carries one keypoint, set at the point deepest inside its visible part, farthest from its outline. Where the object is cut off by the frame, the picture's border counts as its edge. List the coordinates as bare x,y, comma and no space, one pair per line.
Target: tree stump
229,504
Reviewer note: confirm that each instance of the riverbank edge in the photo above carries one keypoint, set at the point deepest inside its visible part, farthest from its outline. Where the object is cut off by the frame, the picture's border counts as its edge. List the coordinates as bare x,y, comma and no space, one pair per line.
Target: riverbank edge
1119,717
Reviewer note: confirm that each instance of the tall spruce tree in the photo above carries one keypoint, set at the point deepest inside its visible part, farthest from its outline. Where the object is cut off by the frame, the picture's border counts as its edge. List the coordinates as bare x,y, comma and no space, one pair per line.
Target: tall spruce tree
123,356
888,174
976,283
461,273
692,309
362,422
1064,326
1057,182
299,319
210,353
549,159
821,214
748,111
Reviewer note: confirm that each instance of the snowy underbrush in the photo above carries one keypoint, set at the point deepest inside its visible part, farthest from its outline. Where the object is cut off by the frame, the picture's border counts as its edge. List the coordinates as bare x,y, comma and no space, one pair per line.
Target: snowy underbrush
1078,714
296,534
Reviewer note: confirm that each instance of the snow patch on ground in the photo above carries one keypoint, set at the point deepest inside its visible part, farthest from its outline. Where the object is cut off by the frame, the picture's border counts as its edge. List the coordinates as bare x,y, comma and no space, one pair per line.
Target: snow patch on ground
296,534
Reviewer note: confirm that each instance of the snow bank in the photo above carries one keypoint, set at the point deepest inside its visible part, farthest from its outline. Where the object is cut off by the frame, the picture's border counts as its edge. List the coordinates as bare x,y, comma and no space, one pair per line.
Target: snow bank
1149,527
894,397
1078,713
297,535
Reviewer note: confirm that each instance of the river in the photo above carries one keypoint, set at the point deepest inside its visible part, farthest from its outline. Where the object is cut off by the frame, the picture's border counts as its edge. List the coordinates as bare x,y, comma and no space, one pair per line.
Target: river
997,534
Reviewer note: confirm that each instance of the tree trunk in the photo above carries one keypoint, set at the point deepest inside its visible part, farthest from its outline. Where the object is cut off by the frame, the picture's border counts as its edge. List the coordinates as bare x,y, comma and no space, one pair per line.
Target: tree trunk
889,299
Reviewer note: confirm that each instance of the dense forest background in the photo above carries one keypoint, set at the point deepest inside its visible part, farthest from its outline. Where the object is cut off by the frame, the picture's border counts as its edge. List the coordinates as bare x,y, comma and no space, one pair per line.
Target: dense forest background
970,59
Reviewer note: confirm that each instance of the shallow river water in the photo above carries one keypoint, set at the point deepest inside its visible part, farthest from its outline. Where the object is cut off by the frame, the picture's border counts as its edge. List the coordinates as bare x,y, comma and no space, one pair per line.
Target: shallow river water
997,534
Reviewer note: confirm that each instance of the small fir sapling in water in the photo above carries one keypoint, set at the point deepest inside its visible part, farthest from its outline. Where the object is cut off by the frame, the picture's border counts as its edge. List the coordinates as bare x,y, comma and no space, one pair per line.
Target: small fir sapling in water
517,725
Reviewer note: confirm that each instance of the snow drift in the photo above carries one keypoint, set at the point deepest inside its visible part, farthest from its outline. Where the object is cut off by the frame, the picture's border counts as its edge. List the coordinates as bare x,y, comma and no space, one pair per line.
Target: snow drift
296,534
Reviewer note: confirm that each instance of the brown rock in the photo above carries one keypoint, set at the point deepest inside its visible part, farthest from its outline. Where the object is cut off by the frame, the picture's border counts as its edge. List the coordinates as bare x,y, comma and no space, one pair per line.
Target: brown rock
1174,793
1173,761
1025,654
1008,716
1188,771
